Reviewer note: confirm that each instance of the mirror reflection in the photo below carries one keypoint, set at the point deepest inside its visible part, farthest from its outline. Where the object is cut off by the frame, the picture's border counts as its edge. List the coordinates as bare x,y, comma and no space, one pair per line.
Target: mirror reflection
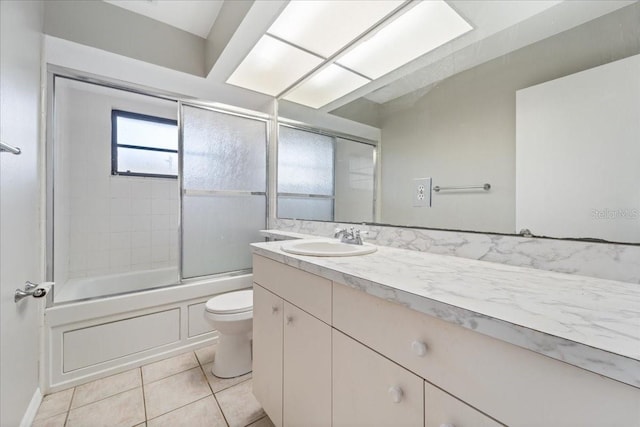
546,110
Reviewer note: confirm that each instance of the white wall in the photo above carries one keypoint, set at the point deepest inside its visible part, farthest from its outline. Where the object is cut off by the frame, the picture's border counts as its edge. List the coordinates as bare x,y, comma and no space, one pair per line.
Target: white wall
461,130
577,154
107,224
115,29
20,232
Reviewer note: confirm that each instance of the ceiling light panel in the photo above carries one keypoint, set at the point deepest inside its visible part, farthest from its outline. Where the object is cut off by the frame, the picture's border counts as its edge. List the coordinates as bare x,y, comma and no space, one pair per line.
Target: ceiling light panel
325,86
325,26
272,66
422,28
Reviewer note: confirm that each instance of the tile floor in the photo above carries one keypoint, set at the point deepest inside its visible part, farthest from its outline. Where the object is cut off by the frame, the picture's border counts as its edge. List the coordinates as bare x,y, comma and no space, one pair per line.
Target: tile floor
179,391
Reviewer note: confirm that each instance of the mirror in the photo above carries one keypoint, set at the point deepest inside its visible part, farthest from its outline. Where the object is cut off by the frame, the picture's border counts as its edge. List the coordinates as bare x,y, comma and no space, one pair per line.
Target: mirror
546,110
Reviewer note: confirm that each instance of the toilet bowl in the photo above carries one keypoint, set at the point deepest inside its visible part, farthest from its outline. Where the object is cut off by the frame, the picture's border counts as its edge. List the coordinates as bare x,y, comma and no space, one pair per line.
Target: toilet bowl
231,314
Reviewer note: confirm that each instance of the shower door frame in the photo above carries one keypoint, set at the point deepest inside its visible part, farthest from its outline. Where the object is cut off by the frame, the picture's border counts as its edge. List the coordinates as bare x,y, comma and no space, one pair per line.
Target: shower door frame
53,72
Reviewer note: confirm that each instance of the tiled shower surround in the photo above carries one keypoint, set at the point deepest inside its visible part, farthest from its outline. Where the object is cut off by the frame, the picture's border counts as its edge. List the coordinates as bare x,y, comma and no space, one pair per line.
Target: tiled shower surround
602,260
107,224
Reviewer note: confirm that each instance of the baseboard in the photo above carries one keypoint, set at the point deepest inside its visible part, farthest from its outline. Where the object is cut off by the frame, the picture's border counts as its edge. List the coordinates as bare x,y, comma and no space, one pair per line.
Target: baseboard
32,409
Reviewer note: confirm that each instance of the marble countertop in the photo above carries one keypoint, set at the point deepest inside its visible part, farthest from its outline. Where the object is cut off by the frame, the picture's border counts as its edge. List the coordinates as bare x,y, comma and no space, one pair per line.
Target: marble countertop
587,322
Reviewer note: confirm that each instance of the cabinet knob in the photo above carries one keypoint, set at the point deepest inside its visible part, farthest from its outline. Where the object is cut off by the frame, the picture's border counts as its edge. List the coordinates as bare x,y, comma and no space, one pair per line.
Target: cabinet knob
289,320
275,309
396,393
419,348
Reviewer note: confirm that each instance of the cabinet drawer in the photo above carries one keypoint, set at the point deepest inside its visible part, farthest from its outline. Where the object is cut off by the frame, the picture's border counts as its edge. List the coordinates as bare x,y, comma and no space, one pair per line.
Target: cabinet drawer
370,390
511,384
442,409
309,292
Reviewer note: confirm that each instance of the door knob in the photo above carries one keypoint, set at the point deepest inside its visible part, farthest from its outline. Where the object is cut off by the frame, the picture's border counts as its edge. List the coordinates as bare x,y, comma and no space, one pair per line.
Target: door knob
419,348
396,393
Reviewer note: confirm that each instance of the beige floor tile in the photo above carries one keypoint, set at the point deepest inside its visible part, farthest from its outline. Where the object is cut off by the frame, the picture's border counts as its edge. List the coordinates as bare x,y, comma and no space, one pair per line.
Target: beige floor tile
203,413
262,422
175,391
105,387
239,406
55,421
55,404
141,425
206,354
165,368
124,409
219,384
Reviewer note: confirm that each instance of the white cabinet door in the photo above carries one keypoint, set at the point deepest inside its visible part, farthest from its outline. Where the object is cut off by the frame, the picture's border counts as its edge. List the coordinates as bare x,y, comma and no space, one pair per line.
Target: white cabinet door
267,351
307,369
442,409
370,390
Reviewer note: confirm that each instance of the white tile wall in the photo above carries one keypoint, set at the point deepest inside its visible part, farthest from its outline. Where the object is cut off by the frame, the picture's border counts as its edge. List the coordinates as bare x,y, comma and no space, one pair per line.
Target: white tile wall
113,224
123,226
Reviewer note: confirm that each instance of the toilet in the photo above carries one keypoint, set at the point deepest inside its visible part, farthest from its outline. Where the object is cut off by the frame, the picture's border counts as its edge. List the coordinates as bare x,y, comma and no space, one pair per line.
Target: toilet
231,314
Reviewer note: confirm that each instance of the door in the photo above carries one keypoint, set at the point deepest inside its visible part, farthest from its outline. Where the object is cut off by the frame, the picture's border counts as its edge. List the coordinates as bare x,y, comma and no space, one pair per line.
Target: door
20,233
267,352
371,390
224,180
307,369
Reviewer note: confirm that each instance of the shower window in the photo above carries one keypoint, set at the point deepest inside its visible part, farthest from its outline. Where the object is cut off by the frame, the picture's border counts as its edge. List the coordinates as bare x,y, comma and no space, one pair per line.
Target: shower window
324,177
305,174
224,190
143,145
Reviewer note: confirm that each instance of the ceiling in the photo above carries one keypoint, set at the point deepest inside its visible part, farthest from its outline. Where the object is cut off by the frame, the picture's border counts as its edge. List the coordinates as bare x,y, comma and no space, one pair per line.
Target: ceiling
499,27
193,16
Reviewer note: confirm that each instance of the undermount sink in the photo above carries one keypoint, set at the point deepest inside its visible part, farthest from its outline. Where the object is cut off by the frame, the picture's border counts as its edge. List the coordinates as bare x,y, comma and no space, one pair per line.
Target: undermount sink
327,248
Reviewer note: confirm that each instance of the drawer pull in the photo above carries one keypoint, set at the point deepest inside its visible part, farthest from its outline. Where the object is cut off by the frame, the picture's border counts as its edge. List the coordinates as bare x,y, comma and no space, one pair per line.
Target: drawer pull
289,320
275,309
419,349
396,393
447,425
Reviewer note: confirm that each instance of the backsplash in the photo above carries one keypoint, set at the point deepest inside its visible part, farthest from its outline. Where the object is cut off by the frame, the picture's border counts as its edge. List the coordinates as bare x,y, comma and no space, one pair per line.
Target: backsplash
602,260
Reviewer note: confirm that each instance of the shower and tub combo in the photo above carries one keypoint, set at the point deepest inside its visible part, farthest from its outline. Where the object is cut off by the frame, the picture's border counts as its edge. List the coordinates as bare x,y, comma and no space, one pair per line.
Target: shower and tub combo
151,206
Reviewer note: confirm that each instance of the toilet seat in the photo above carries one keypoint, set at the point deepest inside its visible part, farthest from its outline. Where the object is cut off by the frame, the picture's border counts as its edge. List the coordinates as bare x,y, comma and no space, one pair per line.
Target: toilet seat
231,303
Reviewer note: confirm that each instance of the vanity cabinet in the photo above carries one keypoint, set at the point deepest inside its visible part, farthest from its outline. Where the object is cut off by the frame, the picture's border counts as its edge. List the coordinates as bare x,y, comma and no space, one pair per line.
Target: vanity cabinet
291,347
328,354
268,330
442,409
370,390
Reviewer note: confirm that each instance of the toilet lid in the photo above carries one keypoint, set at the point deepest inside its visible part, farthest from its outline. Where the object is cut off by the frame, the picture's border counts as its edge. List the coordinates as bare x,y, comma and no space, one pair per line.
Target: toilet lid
231,303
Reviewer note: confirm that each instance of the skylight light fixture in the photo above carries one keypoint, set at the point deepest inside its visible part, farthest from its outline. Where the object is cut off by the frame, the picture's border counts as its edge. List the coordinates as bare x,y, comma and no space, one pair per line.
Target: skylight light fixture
326,85
272,66
421,29
318,51
326,26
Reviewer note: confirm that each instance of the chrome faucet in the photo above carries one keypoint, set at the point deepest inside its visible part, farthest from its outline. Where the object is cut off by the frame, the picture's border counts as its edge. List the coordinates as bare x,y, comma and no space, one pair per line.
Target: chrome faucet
350,236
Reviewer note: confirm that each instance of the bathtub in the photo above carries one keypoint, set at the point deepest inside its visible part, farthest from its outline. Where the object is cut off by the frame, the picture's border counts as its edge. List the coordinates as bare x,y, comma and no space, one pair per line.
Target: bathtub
88,339
114,284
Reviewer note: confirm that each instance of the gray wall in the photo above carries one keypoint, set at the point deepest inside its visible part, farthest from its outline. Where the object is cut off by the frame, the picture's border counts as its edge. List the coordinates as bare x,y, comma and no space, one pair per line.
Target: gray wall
462,130
20,247
114,29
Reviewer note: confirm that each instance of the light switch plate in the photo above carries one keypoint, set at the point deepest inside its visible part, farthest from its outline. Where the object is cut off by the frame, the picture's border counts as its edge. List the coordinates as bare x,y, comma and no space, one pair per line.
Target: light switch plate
422,192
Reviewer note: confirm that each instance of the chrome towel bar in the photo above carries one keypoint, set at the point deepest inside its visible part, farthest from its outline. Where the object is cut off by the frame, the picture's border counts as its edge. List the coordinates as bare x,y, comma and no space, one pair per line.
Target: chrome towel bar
9,149
485,187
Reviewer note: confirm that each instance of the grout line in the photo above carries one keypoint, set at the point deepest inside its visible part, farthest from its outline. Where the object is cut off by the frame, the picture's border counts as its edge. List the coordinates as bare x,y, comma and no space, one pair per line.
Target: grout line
144,398
179,407
66,418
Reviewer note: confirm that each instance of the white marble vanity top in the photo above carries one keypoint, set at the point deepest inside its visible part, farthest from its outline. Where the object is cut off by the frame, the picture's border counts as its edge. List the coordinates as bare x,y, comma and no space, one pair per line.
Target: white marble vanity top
587,322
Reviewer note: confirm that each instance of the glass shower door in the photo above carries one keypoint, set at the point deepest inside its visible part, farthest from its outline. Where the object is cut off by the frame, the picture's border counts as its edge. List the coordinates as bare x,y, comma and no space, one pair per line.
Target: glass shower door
223,190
